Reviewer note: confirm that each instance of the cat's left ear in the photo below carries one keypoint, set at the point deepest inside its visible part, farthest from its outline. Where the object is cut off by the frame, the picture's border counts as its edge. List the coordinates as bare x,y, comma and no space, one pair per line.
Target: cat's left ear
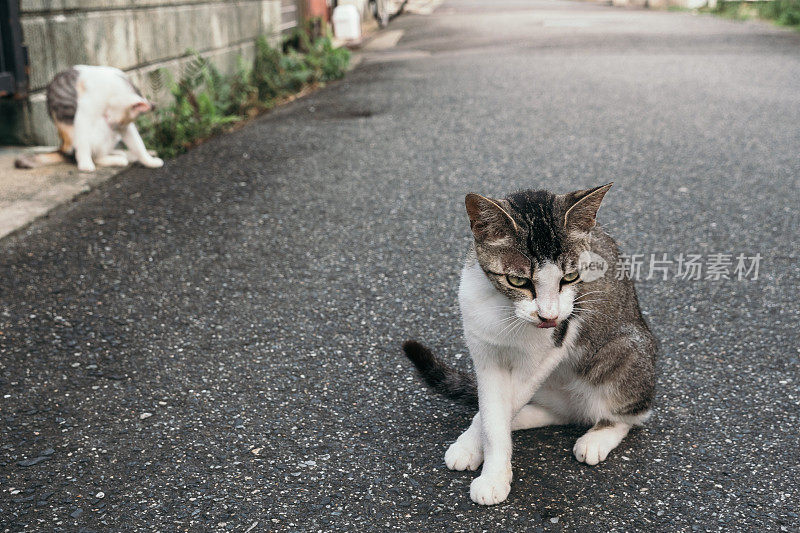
582,206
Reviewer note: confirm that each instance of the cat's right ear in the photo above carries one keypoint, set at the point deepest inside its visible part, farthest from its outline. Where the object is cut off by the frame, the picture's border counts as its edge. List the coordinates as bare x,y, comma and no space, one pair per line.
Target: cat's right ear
142,106
490,223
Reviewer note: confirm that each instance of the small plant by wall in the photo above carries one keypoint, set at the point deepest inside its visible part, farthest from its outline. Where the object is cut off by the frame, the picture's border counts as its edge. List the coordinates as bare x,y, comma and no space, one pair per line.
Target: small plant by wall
206,102
782,12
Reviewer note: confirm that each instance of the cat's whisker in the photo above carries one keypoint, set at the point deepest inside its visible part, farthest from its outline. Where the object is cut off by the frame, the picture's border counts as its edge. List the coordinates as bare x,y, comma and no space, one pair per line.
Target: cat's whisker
517,326
582,305
583,298
512,326
579,304
505,321
589,301
517,331
499,307
593,300
507,326
585,294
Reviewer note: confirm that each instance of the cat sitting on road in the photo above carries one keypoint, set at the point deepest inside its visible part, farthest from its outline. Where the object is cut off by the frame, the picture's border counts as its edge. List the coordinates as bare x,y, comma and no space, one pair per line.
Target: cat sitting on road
552,339
94,108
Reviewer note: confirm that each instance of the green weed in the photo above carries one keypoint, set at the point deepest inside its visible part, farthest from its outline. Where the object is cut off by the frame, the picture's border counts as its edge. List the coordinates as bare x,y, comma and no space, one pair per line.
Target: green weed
205,102
782,12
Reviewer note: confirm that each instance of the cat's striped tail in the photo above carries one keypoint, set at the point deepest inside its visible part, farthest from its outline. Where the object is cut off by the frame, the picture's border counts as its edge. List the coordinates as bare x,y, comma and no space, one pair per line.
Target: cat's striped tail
449,382
38,160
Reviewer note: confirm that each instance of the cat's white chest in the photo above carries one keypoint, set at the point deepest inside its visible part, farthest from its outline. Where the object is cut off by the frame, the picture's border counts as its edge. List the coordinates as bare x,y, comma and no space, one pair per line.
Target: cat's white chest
104,138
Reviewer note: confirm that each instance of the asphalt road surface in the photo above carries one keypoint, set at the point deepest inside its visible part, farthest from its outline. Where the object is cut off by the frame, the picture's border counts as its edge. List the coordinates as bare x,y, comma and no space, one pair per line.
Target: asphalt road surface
214,345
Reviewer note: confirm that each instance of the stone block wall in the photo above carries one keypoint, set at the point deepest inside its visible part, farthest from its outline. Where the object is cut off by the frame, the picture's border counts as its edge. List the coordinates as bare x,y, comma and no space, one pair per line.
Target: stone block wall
138,36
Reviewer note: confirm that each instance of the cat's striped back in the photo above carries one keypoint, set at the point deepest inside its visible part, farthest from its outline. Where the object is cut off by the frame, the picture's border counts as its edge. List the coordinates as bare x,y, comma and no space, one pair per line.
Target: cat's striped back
62,96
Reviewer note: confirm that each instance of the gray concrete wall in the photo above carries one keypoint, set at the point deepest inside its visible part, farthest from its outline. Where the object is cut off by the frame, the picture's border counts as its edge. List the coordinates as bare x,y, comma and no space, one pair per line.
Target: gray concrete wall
138,36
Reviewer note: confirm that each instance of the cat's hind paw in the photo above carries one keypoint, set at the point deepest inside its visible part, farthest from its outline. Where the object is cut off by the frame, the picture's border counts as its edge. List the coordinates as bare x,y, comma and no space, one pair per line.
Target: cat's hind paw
489,490
113,160
460,457
153,162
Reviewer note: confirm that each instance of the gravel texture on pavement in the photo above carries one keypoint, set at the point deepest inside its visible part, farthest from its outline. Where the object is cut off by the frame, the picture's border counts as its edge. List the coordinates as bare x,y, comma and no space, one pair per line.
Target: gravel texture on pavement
214,345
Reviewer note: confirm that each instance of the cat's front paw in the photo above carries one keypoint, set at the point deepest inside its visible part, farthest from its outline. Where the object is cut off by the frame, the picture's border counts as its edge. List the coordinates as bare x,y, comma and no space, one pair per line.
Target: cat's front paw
461,457
87,167
153,162
594,447
489,489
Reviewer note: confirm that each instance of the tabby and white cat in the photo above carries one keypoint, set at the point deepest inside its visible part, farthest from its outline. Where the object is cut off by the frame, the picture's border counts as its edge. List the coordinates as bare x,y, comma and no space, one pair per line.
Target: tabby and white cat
550,343
94,108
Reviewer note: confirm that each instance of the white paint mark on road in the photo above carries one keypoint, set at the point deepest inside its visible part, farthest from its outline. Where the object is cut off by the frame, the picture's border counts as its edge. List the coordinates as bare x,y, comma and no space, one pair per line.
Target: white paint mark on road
384,41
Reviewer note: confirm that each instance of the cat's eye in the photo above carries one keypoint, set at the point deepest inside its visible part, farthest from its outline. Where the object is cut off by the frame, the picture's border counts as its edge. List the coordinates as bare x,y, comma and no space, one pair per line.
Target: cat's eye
569,277
516,281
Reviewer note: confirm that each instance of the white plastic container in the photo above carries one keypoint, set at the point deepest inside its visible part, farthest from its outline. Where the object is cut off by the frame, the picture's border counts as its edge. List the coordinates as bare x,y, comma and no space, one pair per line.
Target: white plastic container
347,23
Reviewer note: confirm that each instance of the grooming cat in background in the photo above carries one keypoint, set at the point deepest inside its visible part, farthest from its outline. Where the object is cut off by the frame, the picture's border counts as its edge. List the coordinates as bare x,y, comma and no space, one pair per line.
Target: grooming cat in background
551,342
94,108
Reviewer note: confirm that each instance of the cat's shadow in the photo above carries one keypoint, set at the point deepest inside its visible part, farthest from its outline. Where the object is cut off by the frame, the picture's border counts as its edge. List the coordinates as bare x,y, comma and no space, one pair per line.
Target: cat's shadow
547,473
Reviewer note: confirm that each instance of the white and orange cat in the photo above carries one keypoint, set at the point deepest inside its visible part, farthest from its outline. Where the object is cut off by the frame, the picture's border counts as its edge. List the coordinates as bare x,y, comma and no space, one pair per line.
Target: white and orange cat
94,108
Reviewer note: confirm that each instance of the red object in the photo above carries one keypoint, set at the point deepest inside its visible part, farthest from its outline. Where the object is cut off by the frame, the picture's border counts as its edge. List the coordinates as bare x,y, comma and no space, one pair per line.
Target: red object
317,8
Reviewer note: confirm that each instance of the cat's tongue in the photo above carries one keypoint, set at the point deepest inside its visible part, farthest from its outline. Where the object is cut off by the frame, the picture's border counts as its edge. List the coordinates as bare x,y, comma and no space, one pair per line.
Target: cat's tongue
547,324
